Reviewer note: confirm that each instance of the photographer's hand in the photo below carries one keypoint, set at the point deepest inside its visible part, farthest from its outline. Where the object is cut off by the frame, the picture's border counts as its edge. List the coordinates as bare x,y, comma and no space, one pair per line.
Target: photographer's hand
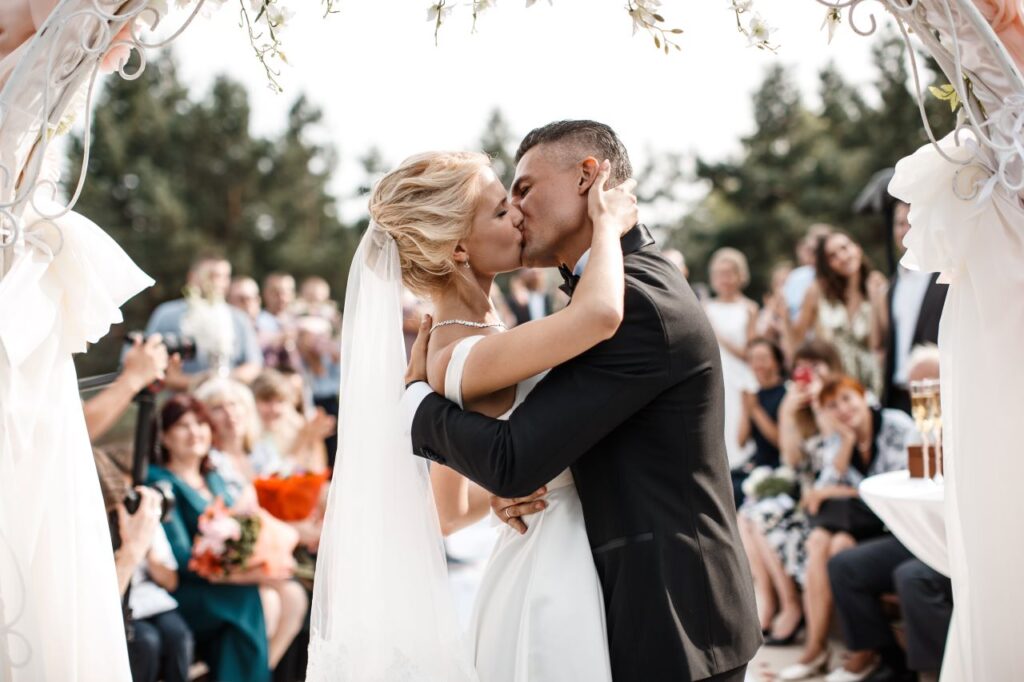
136,531
144,363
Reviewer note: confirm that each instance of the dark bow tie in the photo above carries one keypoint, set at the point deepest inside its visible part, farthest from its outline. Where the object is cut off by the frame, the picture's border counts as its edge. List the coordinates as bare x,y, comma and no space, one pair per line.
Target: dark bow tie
569,280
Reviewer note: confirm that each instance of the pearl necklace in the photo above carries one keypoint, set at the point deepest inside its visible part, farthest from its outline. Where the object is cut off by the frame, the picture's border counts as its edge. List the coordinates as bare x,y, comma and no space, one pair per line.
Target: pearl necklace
467,323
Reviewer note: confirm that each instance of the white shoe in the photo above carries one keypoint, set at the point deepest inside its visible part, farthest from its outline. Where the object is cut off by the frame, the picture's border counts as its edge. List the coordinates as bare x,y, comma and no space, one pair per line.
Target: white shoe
801,671
841,674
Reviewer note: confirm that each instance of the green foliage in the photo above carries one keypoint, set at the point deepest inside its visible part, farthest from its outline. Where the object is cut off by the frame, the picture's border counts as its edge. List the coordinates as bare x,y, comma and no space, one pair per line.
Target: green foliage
802,166
170,178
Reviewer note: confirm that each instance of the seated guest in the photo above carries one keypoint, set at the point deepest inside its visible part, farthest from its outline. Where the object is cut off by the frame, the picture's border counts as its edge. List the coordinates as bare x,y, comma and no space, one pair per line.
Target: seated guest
774,528
225,340
872,441
235,437
226,616
160,644
761,410
297,442
914,304
315,300
276,323
319,356
244,294
860,576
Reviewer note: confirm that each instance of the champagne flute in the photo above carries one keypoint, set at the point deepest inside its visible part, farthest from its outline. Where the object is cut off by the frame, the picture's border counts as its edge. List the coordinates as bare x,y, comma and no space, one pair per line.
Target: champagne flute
935,416
922,417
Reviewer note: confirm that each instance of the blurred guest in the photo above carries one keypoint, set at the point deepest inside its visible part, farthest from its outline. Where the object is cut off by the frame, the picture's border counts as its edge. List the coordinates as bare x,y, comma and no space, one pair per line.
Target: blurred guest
844,306
225,340
733,316
529,295
315,300
761,410
297,442
860,576
237,454
413,310
321,371
914,305
276,324
675,256
774,528
800,278
244,294
226,616
771,322
161,645
872,441
236,451
143,364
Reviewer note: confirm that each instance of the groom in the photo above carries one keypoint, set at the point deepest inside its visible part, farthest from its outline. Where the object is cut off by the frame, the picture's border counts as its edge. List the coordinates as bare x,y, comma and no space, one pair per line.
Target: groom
639,420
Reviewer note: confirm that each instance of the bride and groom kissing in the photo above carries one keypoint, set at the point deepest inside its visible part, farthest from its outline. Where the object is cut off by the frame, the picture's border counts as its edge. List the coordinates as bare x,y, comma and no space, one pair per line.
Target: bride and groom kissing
595,434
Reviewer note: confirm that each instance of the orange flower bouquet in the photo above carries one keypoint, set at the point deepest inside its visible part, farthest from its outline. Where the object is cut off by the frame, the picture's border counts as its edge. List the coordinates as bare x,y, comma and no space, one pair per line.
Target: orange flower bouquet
292,497
225,542
236,540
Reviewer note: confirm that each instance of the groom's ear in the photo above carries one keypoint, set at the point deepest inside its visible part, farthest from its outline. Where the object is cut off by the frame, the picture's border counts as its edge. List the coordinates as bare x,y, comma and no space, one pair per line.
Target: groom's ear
587,171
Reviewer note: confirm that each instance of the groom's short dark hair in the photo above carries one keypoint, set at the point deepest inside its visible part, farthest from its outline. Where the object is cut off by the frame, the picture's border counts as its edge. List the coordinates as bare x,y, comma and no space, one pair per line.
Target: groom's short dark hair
590,137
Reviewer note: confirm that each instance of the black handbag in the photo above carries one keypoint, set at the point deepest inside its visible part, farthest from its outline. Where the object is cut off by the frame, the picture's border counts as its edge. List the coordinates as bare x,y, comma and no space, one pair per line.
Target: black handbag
848,515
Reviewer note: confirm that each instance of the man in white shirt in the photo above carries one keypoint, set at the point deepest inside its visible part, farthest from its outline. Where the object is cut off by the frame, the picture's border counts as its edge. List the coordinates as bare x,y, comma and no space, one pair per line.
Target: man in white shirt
915,307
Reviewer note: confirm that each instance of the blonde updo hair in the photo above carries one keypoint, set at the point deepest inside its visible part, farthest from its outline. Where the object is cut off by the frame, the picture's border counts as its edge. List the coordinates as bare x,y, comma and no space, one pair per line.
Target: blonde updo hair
427,205
734,257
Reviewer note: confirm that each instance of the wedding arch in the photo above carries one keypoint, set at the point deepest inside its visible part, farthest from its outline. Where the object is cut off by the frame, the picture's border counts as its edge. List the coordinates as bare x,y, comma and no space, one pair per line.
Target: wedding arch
62,281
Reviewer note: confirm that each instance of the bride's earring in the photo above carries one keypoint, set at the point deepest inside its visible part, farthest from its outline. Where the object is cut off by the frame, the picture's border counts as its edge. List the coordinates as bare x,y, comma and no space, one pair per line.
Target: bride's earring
467,263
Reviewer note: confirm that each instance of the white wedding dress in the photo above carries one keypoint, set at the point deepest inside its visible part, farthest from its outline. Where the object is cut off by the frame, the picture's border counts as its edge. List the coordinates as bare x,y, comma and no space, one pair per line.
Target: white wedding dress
539,613
731,321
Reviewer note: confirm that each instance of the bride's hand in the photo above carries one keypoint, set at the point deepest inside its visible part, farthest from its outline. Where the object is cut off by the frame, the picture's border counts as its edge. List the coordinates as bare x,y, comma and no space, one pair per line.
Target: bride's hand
614,209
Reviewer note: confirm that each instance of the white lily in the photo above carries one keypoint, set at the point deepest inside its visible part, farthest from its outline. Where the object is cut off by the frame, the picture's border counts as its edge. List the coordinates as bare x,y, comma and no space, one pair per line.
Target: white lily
759,33
740,6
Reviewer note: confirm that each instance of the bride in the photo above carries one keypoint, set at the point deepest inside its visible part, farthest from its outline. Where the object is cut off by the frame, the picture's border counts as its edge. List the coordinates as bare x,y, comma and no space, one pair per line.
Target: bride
442,225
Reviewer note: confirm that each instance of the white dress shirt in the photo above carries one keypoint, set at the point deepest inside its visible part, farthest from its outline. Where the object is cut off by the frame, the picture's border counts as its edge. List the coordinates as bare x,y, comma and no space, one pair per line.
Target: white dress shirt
907,298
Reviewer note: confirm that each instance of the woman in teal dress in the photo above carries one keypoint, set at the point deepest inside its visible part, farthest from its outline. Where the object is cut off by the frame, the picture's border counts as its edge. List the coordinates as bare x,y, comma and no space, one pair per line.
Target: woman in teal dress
226,616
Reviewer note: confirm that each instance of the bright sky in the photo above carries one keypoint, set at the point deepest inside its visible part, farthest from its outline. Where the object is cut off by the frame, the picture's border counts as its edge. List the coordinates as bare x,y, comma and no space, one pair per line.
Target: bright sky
380,80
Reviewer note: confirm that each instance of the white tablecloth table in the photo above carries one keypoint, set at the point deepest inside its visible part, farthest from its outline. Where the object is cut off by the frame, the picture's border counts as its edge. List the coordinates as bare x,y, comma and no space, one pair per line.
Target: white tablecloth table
914,510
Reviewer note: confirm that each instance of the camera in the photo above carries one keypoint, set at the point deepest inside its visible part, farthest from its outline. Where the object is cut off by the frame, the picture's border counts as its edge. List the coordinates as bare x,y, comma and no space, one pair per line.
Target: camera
132,499
175,343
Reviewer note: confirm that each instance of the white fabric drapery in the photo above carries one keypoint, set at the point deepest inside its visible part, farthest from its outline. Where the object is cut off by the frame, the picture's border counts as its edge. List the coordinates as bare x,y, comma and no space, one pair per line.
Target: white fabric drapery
61,616
978,246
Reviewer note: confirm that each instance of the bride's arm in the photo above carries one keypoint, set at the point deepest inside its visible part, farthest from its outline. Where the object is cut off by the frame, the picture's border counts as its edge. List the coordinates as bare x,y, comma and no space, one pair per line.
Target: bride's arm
459,501
502,360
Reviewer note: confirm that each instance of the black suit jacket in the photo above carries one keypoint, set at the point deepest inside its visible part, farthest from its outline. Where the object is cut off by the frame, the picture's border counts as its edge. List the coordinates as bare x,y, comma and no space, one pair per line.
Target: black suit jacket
639,418
925,331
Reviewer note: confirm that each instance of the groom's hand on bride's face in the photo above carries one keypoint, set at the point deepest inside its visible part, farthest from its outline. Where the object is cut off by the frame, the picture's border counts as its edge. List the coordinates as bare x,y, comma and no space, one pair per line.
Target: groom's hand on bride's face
417,370
511,511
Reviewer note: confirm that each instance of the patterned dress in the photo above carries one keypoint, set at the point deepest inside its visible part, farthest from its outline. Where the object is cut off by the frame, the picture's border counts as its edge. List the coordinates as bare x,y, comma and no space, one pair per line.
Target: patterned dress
852,338
781,520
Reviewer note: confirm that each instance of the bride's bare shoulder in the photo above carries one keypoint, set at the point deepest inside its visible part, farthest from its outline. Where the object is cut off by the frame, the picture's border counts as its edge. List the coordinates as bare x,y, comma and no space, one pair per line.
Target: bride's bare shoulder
440,348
